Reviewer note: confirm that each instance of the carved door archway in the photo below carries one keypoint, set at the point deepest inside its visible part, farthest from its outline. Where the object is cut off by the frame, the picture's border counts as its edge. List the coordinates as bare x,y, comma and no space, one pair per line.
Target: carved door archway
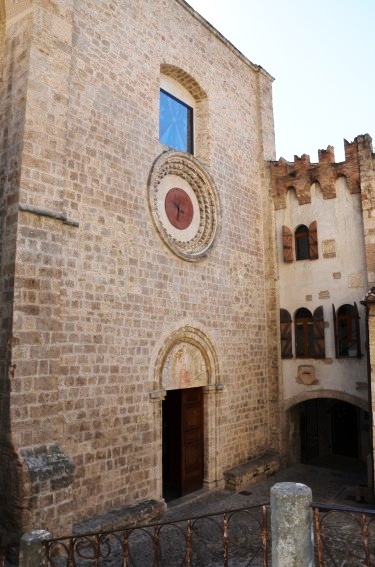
186,372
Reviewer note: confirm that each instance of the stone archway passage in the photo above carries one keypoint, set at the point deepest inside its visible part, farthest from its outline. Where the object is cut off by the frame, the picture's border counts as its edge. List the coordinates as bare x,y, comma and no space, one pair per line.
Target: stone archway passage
330,430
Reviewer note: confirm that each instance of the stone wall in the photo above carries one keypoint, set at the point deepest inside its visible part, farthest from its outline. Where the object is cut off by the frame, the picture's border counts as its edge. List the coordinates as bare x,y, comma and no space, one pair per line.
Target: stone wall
97,291
14,62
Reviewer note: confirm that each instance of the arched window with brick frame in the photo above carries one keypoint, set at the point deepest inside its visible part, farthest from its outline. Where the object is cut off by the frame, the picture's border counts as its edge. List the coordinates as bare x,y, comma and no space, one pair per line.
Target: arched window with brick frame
183,113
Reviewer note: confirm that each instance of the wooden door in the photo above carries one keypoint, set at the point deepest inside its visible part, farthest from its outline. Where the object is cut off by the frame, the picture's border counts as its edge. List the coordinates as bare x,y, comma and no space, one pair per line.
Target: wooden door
191,440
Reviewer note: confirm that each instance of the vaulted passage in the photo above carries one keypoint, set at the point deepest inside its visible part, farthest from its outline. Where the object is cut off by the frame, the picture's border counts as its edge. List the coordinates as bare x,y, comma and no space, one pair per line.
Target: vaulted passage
325,431
182,442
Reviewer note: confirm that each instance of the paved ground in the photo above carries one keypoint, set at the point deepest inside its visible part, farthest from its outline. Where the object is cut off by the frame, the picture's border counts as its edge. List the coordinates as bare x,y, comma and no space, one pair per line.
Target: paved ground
329,485
338,486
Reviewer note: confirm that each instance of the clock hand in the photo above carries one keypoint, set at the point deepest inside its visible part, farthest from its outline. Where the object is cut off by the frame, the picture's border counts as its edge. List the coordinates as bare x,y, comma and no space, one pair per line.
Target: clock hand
179,209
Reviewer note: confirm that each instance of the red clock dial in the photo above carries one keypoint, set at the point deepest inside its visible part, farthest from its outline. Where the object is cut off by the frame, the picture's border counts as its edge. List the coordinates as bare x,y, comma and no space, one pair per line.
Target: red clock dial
179,208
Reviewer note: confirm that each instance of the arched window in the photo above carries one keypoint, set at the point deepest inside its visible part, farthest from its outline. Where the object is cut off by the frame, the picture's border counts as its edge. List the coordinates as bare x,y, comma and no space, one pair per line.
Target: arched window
301,238
347,336
309,333
305,242
304,333
183,113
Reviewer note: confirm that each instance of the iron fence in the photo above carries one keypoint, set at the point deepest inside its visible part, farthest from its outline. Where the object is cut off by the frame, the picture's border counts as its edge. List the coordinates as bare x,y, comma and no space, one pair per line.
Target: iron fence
344,536
237,538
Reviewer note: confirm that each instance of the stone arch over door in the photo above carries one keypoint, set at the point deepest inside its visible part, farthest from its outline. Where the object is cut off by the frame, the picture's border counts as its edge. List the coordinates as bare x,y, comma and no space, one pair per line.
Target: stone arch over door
187,359
188,338
336,394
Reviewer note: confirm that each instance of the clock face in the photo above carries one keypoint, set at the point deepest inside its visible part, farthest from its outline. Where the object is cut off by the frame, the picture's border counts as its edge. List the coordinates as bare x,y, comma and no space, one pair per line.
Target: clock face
179,208
183,204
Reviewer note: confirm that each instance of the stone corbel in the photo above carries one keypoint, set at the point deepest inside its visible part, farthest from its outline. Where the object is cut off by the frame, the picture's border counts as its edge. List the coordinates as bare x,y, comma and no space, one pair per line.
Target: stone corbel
213,388
157,395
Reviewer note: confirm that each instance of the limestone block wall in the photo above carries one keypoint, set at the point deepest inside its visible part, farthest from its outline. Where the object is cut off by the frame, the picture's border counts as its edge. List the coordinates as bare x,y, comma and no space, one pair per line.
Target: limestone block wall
14,61
97,291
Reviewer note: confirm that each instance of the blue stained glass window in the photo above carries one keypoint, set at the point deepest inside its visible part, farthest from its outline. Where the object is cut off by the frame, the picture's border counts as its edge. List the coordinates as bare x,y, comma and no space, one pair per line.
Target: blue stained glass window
175,123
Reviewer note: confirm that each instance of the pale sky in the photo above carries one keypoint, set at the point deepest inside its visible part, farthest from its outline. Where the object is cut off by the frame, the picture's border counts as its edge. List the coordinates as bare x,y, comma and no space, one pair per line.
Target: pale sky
322,56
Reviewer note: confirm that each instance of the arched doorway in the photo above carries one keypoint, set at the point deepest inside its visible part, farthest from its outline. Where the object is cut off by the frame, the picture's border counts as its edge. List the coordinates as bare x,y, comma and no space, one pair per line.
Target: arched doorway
183,447
186,369
328,430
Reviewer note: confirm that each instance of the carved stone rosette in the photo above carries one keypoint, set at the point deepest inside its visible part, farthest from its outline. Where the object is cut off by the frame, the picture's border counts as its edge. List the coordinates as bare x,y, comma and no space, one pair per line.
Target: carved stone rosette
182,171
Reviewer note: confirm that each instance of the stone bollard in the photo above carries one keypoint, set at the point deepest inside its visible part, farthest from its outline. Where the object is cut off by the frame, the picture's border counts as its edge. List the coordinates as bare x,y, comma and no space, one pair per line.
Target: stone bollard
31,551
292,525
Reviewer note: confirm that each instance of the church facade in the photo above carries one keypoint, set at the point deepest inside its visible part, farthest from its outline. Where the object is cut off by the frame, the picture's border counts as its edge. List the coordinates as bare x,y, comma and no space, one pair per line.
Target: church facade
138,292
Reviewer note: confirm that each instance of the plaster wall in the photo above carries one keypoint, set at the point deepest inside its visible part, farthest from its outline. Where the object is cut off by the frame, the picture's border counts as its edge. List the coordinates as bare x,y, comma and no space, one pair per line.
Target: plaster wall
337,277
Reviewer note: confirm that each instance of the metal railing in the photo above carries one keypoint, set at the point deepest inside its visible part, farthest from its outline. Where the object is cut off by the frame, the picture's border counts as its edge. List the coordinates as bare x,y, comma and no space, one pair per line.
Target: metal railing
344,536
236,538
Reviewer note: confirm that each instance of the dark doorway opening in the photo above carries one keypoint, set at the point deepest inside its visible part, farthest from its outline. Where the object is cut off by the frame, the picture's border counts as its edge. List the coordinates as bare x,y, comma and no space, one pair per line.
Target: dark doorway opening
309,431
345,430
330,430
182,442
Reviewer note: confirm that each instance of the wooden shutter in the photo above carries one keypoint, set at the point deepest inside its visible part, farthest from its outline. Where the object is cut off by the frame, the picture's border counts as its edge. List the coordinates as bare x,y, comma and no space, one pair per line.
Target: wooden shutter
359,352
286,334
335,331
318,328
287,244
313,241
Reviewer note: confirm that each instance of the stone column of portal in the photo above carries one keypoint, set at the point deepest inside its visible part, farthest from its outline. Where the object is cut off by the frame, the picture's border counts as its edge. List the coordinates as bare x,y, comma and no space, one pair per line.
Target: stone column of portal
292,525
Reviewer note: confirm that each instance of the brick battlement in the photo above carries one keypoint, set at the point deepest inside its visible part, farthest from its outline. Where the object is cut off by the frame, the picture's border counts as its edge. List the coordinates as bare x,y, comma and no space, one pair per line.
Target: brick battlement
301,174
